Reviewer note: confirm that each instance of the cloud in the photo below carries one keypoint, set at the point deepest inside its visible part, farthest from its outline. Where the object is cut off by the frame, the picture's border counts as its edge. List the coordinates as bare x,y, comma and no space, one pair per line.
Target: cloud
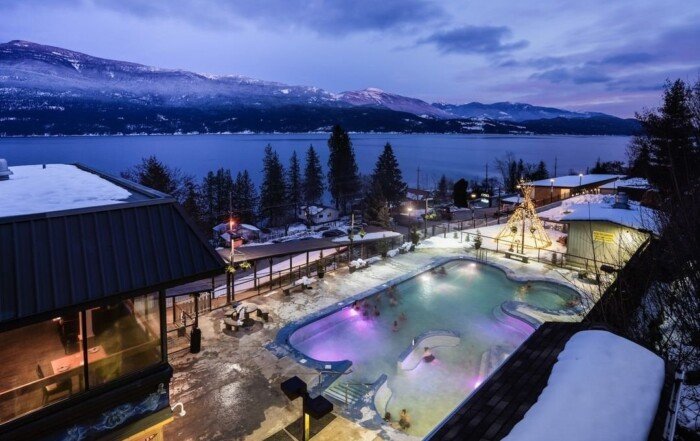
325,17
474,40
627,58
586,74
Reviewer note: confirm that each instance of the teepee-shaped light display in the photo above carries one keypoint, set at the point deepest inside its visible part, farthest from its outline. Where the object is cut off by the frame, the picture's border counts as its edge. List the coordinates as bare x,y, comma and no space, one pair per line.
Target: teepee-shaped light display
524,228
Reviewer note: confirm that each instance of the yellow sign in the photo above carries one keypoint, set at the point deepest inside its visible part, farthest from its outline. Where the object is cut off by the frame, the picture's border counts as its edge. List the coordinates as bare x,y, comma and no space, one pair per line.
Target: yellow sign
600,236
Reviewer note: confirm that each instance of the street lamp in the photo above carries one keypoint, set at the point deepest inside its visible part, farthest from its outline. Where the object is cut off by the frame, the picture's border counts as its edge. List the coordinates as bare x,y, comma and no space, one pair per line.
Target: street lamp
317,407
425,217
580,179
551,190
231,224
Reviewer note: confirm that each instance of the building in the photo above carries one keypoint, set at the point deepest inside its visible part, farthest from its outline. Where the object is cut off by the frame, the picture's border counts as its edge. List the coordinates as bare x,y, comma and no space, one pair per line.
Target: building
634,188
242,233
85,260
317,214
601,228
562,187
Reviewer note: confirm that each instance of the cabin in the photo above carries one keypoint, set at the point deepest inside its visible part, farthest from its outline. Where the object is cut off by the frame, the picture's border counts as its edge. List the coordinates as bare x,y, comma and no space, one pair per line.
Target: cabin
603,229
634,188
242,233
317,214
86,259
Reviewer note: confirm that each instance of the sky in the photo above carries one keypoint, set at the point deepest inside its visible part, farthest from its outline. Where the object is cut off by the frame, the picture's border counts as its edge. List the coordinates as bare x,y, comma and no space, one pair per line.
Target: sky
596,55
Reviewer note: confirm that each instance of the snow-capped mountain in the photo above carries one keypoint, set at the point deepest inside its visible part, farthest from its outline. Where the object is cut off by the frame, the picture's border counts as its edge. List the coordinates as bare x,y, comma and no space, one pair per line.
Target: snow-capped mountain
506,111
377,97
55,91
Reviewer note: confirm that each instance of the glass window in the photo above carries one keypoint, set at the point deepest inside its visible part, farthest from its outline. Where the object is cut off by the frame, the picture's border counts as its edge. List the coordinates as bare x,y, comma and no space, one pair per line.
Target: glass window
126,338
41,364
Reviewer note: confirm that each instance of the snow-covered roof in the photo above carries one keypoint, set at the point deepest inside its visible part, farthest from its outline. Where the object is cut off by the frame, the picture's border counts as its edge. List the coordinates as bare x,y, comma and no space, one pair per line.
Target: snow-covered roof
601,387
598,207
574,180
640,183
512,199
315,209
416,194
33,189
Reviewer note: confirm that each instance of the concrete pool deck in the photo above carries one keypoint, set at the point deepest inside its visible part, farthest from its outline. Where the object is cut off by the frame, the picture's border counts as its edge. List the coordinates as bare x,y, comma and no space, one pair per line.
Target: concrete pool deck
230,390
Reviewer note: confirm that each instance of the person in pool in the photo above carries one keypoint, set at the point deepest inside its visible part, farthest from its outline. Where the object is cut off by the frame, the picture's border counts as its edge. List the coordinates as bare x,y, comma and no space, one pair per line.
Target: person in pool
404,419
402,317
395,327
376,311
427,355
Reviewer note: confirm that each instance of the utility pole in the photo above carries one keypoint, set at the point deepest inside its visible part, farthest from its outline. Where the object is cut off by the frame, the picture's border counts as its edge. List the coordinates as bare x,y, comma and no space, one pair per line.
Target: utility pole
418,178
555,166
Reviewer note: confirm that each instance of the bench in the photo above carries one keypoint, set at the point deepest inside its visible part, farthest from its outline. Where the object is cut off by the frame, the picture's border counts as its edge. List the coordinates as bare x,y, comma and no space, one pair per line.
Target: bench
263,314
231,324
287,290
523,258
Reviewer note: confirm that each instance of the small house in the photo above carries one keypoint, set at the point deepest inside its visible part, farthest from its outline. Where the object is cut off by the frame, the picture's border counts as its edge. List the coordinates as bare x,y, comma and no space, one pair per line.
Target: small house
317,214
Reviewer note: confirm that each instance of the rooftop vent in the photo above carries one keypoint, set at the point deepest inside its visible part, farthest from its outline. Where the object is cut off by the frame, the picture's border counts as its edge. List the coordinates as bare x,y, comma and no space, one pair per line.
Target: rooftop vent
4,171
621,201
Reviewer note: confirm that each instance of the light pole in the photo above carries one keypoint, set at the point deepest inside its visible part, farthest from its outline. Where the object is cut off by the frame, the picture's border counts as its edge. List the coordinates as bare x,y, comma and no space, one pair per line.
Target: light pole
580,180
551,190
425,218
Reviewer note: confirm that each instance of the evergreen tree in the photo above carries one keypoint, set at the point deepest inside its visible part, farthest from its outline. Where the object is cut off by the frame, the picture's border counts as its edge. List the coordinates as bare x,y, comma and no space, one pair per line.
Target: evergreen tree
343,181
273,189
640,158
216,190
294,181
669,137
388,175
154,174
540,172
459,193
245,198
313,177
442,188
191,202
376,209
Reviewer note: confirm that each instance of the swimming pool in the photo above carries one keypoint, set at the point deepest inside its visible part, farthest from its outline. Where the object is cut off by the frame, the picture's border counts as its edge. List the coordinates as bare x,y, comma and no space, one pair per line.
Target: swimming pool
458,315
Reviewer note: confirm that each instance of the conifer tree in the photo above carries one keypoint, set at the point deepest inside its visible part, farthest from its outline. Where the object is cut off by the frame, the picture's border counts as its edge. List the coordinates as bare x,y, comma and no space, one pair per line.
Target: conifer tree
313,177
343,180
294,181
216,192
442,188
273,203
245,197
388,175
376,209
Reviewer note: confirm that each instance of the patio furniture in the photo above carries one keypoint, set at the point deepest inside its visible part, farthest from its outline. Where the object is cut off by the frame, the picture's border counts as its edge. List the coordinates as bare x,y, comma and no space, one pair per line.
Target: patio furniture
53,390
262,313
523,258
231,324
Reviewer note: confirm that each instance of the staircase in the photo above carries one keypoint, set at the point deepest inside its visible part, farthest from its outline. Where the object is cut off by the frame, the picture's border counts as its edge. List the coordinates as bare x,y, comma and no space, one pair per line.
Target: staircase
346,393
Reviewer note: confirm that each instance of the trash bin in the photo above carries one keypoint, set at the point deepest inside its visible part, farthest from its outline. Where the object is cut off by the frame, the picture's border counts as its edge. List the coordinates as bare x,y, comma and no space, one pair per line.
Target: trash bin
195,340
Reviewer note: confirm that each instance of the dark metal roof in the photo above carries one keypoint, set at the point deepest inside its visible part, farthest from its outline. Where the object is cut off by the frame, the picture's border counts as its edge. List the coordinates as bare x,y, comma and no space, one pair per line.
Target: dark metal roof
53,261
502,401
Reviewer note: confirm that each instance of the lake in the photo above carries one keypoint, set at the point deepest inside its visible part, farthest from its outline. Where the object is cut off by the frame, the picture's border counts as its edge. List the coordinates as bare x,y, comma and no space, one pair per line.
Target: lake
456,156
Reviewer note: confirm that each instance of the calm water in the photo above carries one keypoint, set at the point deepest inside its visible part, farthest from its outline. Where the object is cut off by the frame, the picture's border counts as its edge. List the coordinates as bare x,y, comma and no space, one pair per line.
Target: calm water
454,155
467,301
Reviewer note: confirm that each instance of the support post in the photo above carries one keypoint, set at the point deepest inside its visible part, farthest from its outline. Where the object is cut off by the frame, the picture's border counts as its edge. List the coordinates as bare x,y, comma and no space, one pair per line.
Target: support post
270,272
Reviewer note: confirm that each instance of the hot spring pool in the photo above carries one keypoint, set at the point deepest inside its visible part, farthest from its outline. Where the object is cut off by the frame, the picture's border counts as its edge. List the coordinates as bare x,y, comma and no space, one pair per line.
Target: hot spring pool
465,302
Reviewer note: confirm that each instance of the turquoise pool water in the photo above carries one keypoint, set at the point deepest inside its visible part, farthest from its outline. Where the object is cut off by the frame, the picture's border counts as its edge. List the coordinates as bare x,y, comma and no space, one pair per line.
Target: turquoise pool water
466,301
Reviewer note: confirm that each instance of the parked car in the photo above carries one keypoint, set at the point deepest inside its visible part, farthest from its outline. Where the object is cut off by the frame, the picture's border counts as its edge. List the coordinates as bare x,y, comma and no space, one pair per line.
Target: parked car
333,233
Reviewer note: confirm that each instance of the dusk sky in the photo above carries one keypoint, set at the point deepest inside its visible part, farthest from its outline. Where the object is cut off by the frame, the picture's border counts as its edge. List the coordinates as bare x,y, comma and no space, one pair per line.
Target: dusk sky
599,55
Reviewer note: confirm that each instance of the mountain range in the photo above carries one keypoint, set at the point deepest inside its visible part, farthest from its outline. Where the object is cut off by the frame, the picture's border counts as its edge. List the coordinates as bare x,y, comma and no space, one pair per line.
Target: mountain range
46,90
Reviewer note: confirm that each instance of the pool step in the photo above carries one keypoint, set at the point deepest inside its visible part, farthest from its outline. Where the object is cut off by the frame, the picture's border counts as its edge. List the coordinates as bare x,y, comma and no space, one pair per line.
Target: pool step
346,393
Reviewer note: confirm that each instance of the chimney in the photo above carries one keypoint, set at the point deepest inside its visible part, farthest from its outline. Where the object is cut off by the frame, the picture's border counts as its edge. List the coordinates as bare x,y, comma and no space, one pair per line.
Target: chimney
4,171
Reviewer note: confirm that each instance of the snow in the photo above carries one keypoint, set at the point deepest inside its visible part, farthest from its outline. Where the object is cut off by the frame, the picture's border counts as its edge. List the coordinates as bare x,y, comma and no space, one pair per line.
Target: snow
33,189
369,236
602,387
573,180
600,208
629,183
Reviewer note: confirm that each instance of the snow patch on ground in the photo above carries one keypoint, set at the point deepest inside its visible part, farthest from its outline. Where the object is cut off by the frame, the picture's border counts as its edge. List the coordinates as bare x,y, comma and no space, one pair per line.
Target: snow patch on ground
601,387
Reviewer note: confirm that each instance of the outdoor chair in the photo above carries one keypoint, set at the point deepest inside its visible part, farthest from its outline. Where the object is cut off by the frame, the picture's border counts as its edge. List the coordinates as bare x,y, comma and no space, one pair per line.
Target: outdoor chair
53,390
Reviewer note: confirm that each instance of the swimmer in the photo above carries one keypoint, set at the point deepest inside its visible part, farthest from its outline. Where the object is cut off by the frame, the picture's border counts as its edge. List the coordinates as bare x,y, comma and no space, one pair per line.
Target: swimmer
393,302
404,419
427,355
376,311
396,326
402,317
